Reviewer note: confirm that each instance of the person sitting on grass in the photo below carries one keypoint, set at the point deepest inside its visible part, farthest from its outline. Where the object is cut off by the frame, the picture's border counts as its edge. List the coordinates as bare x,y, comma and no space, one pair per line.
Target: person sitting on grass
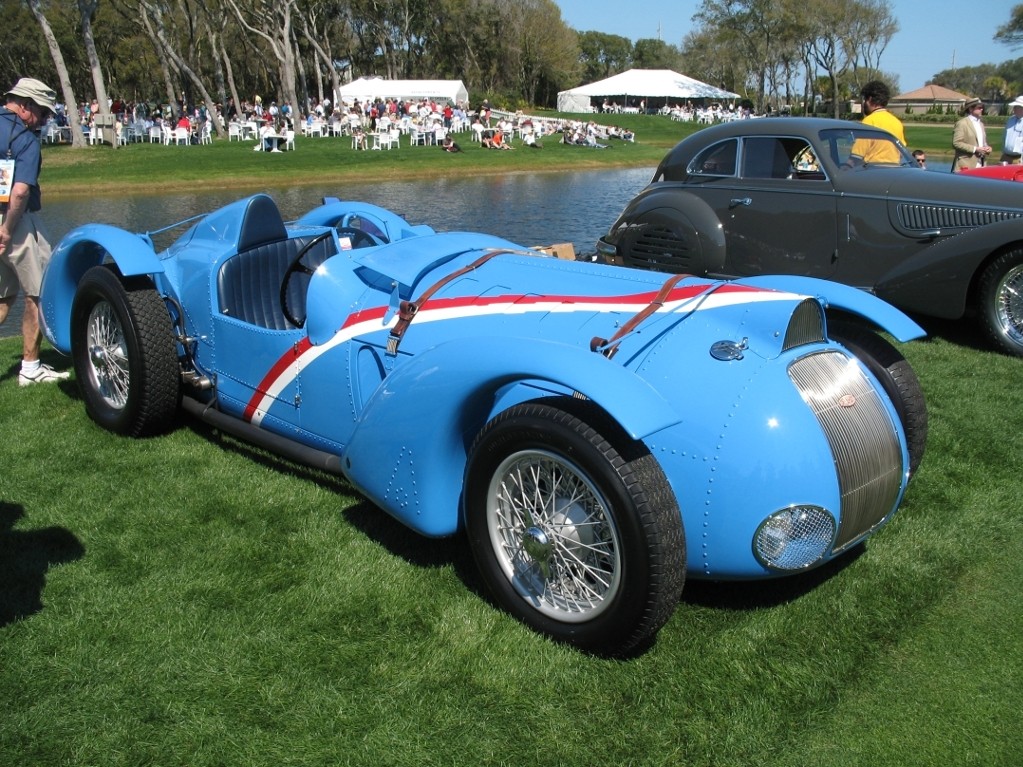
497,142
449,145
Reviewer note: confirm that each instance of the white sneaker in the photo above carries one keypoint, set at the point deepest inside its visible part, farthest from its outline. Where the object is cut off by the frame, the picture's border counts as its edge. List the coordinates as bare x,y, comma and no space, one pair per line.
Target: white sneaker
44,374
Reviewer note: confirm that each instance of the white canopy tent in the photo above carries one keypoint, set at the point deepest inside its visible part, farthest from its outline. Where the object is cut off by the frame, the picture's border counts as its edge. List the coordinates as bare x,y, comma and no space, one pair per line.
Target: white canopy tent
377,87
641,84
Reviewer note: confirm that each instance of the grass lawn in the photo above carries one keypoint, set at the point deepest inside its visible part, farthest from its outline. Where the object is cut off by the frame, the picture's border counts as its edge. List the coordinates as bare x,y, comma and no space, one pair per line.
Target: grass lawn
232,164
188,600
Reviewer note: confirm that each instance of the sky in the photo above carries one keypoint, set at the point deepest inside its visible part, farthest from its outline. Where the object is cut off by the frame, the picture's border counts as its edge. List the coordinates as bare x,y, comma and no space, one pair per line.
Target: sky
934,34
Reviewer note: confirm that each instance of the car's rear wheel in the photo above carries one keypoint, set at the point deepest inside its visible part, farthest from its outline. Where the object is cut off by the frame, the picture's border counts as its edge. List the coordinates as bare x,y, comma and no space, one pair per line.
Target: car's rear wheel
897,377
1000,292
124,352
574,538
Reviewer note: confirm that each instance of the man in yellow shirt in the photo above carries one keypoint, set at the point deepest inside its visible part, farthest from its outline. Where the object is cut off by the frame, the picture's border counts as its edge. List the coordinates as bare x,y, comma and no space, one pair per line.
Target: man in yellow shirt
875,95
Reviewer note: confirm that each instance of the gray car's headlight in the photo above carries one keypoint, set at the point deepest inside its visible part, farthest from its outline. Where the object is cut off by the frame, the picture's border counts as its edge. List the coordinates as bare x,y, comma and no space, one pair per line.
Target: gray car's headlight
794,538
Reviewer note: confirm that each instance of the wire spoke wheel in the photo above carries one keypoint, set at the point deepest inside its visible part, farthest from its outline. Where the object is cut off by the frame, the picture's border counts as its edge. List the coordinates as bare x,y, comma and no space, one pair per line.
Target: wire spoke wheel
574,526
553,536
1009,304
123,347
1000,301
108,360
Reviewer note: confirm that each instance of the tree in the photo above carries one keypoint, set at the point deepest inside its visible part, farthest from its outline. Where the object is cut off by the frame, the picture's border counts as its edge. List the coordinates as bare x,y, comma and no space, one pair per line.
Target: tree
547,53
1011,33
995,88
602,55
271,20
86,9
77,138
701,57
650,53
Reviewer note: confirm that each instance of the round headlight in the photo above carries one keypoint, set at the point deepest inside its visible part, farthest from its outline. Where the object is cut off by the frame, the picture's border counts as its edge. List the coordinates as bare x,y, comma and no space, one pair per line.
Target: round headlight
794,538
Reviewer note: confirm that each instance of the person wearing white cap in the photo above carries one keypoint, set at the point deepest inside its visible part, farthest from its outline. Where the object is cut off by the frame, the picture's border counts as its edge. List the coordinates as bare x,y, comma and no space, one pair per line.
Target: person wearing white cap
24,250
1013,150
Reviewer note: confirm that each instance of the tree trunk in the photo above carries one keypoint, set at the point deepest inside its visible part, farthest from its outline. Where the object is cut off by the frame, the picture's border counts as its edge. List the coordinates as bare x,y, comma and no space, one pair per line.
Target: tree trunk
87,8
70,101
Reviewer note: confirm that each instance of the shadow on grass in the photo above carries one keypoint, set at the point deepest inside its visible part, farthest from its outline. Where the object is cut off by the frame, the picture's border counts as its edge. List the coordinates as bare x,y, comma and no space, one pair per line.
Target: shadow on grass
370,520
454,552
751,595
25,557
965,332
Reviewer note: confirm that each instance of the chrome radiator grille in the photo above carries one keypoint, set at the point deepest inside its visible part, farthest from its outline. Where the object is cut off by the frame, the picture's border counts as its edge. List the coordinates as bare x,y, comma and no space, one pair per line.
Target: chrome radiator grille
863,442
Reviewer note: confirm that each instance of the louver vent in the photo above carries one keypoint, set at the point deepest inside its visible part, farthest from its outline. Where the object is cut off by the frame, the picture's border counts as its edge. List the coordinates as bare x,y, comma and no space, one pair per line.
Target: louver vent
925,217
660,248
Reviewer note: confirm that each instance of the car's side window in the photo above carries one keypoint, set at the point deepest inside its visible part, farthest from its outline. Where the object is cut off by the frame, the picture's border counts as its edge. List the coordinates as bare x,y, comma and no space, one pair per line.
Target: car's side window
716,160
771,157
806,164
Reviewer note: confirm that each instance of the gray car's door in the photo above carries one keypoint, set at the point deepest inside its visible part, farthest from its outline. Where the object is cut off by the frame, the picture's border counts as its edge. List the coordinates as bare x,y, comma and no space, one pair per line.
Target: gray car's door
778,211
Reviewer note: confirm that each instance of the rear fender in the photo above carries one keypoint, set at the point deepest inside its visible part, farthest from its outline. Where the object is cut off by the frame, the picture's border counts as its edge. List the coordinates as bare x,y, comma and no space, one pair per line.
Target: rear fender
409,450
692,223
834,295
83,248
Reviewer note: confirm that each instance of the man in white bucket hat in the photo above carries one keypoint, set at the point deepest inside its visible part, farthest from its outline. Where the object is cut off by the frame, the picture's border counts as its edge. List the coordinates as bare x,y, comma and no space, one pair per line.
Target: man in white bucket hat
1013,150
24,249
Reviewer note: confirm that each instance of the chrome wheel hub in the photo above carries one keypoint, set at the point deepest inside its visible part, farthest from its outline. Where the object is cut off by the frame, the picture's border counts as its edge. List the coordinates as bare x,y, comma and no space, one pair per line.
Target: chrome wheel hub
553,536
1009,304
108,360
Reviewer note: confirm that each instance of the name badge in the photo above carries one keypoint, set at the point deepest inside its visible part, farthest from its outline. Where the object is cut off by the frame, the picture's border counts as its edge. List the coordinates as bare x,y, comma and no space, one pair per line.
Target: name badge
6,180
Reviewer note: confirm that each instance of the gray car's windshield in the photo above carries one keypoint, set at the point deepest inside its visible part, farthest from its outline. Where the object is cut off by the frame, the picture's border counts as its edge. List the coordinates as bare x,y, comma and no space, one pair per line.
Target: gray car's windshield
865,148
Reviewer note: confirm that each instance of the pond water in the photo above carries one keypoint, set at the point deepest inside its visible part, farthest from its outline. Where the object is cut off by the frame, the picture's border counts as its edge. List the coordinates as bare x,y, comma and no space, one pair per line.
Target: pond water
526,208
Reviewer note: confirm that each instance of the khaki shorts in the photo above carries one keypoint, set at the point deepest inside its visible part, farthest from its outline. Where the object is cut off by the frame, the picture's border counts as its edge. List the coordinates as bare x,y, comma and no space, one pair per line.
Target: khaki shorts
25,259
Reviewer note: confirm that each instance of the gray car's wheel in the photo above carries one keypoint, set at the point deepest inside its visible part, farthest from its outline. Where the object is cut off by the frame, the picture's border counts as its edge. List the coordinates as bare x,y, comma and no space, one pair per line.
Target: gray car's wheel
124,352
574,538
896,376
1000,292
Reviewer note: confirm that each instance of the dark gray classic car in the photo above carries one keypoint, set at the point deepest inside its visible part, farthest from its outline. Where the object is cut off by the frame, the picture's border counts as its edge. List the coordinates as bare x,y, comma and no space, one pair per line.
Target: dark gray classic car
836,200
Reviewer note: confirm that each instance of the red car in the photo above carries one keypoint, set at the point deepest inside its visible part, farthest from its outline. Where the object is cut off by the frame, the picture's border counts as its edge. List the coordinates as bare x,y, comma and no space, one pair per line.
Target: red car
1004,172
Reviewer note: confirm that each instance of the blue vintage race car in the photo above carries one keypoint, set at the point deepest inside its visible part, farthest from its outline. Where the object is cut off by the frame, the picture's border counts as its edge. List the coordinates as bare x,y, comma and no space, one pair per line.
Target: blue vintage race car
598,432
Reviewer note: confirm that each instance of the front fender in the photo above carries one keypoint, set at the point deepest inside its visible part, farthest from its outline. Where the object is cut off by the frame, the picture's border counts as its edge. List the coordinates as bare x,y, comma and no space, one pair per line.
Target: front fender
834,295
937,280
80,250
409,450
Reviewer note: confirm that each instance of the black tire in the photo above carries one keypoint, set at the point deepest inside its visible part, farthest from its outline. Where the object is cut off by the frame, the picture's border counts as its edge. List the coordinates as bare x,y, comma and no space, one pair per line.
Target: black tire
896,376
125,356
599,560
1000,301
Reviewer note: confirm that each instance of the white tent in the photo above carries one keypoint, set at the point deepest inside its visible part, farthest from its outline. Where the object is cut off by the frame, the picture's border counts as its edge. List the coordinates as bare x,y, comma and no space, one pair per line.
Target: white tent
377,87
640,84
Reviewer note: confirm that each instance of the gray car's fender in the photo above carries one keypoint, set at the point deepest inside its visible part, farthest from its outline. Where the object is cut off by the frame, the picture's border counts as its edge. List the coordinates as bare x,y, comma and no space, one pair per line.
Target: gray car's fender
665,219
938,280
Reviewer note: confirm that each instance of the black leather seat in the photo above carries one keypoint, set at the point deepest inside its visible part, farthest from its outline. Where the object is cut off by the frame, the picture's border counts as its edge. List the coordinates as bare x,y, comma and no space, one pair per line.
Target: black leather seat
249,284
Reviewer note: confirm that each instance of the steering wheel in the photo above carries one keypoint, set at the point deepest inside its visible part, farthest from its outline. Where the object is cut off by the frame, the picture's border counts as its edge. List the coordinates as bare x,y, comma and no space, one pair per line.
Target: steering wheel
359,237
294,267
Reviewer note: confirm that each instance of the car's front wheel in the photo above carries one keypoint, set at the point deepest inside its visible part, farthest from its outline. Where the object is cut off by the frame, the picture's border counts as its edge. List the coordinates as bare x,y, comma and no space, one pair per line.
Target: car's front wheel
574,538
1000,293
124,352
